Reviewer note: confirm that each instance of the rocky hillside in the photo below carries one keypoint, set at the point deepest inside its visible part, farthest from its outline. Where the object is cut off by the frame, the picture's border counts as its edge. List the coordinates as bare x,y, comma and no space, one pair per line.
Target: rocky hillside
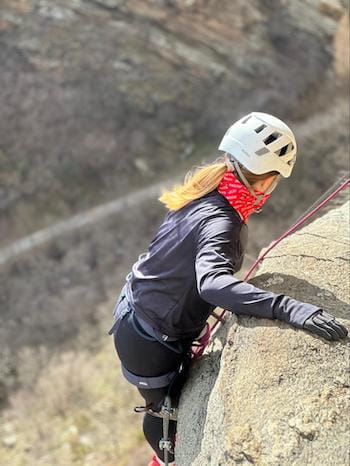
266,393
101,96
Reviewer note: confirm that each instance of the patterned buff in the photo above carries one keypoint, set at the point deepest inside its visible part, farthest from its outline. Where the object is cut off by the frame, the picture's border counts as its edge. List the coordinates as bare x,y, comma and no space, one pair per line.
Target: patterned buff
239,196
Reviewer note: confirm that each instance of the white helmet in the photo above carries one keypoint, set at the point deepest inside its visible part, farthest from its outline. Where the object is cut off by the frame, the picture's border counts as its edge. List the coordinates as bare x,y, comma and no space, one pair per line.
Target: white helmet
261,143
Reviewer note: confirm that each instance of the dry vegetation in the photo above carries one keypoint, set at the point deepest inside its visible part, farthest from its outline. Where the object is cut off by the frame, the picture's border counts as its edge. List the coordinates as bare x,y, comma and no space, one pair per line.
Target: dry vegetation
73,407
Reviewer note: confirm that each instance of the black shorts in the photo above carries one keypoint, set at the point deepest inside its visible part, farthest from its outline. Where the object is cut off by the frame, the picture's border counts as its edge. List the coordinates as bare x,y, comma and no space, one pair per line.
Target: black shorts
148,358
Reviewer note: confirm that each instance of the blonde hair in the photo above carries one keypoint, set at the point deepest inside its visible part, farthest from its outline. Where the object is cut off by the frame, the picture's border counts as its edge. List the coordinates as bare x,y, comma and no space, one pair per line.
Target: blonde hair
200,181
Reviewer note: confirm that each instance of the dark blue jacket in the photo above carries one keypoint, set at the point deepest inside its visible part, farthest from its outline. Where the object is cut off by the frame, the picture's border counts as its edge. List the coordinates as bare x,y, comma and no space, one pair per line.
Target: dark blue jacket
189,270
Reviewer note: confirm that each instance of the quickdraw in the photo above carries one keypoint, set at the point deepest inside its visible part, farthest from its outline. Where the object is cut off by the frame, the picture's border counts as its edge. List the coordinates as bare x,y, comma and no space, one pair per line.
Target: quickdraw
165,443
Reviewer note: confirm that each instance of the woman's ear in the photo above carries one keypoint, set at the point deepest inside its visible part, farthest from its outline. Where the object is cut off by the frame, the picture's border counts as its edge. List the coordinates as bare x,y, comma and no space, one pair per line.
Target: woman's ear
263,185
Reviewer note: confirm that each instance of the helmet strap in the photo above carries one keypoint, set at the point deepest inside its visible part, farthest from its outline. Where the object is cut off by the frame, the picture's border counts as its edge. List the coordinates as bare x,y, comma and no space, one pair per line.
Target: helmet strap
273,184
234,166
228,163
246,183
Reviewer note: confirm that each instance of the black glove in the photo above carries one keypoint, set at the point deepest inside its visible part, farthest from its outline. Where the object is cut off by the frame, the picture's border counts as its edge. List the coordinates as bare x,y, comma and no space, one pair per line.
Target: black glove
325,325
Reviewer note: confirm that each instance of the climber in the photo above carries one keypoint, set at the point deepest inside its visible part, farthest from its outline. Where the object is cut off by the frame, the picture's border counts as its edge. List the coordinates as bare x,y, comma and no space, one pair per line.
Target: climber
189,269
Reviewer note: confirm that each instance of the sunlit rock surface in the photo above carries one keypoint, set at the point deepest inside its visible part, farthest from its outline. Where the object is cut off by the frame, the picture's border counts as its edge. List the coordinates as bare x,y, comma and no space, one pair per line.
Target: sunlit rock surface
267,393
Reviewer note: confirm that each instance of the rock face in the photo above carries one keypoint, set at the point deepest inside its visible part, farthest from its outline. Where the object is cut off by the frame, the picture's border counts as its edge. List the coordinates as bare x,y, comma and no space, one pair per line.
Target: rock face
267,393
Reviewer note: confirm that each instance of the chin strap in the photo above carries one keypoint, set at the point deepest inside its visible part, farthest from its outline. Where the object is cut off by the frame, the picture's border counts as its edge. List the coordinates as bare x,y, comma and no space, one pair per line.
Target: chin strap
235,167
246,183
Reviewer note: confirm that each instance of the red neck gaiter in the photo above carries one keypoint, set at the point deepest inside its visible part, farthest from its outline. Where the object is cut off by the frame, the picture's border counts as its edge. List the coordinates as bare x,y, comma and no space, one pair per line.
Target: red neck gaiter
239,196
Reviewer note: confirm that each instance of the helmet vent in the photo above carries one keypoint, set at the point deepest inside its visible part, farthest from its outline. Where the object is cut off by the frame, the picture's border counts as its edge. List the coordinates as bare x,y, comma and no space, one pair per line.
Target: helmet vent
282,151
261,127
273,137
262,151
246,119
285,149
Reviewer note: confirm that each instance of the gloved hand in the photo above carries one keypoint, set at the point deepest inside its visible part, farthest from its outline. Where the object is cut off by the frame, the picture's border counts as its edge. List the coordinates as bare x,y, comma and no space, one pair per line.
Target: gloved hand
325,325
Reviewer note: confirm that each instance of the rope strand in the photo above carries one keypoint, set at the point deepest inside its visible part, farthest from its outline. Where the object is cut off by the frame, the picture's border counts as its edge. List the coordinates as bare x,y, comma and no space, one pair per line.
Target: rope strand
323,196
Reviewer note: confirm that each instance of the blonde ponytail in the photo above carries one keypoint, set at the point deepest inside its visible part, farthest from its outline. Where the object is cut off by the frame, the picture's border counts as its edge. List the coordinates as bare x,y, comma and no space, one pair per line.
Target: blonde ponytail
198,182
203,179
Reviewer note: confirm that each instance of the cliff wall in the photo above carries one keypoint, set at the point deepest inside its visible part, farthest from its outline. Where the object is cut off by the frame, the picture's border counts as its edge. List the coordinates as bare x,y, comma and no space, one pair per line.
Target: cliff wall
266,393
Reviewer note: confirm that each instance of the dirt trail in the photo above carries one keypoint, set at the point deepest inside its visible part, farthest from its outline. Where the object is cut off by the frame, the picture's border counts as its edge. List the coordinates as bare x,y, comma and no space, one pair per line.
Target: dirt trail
306,129
90,216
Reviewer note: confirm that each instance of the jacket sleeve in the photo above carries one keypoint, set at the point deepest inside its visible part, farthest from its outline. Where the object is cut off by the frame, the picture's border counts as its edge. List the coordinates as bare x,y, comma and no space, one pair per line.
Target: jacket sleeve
217,252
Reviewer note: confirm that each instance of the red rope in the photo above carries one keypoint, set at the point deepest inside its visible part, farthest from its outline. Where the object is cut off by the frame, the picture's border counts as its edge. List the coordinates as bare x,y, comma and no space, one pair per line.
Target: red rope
198,351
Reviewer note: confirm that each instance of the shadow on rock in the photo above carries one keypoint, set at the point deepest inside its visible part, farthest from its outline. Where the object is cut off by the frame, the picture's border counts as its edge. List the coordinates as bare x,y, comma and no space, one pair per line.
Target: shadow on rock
304,291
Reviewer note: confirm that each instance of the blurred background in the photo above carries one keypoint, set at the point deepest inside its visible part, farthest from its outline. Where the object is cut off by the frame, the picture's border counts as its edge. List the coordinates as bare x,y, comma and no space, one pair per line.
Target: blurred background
103,103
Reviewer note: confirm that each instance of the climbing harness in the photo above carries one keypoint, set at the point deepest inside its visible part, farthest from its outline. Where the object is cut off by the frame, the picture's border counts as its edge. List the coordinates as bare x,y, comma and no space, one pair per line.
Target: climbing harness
173,379
124,310
198,350
169,407
146,331
148,382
